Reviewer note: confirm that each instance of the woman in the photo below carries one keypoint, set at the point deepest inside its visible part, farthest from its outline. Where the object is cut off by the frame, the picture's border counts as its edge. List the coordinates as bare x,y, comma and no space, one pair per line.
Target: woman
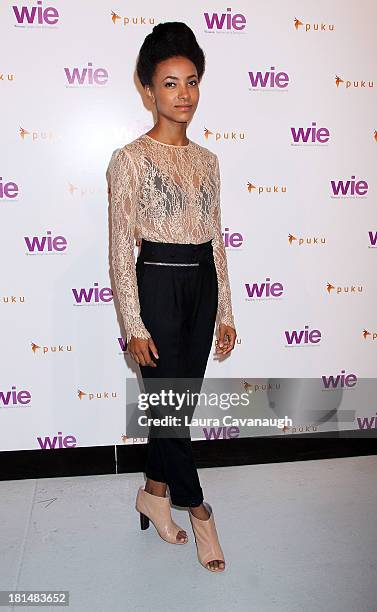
167,188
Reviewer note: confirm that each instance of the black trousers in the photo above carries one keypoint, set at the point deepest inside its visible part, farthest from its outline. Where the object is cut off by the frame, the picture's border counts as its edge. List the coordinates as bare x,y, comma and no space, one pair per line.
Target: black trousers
178,305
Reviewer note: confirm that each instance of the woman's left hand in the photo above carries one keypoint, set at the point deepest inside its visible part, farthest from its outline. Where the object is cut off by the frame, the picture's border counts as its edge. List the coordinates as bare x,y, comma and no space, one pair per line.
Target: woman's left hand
226,339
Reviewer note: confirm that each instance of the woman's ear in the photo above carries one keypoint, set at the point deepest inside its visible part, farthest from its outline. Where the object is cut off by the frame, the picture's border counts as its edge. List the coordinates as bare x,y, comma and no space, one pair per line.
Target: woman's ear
149,93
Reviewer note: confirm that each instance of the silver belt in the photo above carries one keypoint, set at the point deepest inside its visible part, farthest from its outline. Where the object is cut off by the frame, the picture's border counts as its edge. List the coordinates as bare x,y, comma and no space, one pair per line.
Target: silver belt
162,263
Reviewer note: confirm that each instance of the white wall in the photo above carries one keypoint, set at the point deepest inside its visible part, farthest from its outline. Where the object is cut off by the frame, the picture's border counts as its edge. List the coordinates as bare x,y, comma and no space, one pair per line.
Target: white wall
59,168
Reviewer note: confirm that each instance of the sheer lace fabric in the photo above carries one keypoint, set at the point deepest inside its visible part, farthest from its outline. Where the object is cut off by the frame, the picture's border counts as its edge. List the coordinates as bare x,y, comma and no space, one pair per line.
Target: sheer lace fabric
163,193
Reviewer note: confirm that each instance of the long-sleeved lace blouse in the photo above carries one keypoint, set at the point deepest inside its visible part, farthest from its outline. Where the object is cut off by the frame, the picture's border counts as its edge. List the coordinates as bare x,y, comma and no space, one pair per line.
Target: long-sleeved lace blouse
164,193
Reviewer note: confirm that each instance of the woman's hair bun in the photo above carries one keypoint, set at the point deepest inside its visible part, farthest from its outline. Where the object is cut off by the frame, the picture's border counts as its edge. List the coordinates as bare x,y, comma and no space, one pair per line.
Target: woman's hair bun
167,40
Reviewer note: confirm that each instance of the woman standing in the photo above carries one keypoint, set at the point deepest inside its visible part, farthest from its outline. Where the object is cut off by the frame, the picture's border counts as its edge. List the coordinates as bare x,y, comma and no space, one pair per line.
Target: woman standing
167,188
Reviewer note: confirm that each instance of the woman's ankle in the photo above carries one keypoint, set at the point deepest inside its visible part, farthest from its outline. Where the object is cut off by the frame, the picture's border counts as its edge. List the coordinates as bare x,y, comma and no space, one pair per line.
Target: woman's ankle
200,512
155,488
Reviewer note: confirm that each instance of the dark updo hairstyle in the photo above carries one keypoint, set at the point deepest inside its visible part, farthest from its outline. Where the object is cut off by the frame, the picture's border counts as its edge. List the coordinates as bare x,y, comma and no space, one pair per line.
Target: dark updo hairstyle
168,40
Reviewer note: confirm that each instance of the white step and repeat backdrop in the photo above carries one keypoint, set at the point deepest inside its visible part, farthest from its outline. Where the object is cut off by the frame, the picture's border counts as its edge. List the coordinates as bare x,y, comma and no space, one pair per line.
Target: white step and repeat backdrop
288,102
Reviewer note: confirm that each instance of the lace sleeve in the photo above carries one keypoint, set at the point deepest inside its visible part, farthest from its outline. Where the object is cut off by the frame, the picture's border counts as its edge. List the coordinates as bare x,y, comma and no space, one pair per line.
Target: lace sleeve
224,309
124,188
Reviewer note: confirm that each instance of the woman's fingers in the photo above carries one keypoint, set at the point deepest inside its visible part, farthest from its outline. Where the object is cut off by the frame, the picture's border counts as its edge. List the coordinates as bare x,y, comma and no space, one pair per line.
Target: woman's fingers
139,350
224,341
221,349
142,355
141,358
147,357
227,337
232,340
153,348
134,357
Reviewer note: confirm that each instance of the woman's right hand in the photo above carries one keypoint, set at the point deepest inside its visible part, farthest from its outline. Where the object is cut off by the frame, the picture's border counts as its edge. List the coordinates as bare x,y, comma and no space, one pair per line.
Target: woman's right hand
139,349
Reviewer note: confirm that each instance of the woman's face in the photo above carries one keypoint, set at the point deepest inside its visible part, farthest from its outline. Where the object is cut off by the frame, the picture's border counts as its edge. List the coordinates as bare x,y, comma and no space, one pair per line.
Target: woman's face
175,84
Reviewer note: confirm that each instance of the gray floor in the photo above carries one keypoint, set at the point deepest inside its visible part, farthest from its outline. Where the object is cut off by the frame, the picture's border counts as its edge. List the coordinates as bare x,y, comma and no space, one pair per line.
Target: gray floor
298,537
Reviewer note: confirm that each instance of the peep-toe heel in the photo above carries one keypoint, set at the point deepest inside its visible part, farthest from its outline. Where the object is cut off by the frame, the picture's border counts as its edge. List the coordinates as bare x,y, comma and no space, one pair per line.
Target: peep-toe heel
207,541
157,509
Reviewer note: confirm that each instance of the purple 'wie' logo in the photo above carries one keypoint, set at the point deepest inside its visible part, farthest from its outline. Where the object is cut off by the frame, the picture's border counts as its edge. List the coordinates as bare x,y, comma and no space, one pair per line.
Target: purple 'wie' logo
215,433
269,79
93,294
351,187
8,190
87,76
57,441
14,397
367,422
225,21
312,134
232,239
122,343
266,289
340,380
36,14
45,243
303,336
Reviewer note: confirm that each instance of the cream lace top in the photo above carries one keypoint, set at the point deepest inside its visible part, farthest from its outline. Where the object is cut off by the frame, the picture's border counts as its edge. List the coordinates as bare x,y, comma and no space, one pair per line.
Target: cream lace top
163,193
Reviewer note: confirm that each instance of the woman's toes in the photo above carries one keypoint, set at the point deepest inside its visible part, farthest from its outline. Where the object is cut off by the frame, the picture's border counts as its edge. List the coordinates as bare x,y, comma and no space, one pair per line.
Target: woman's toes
216,565
181,536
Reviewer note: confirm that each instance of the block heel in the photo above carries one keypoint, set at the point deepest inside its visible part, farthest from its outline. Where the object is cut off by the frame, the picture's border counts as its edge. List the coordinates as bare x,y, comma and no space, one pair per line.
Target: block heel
144,521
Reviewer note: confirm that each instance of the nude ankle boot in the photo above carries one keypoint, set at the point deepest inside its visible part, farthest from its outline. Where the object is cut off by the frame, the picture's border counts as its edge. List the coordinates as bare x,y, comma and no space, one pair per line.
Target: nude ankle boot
157,509
207,541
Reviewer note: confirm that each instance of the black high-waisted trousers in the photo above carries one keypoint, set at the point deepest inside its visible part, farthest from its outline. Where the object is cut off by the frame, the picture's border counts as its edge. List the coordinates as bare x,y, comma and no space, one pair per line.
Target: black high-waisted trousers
178,305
